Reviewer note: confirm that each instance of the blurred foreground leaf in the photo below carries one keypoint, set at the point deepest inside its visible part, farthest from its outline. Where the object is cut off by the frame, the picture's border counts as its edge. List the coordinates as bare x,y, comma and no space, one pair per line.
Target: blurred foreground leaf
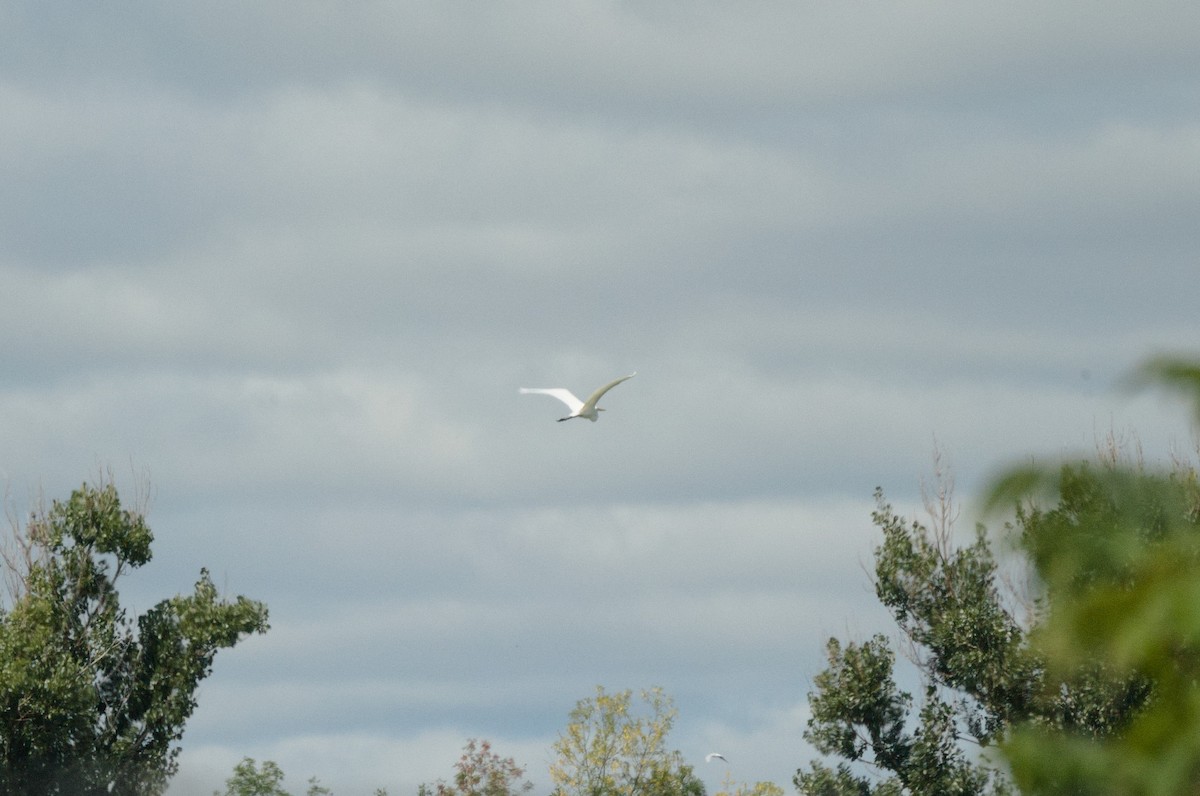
1118,559
1179,375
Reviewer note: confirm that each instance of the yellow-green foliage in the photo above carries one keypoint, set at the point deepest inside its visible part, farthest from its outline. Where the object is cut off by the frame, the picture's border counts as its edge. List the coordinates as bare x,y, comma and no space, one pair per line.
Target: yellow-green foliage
609,747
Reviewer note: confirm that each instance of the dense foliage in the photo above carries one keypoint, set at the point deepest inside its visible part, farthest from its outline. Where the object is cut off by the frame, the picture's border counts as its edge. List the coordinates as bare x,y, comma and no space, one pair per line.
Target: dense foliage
92,702
1118,556
980,672
1090,685
1120,559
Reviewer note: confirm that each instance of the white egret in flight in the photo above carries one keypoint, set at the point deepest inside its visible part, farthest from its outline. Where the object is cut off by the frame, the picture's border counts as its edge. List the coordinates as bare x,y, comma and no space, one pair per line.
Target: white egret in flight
579,408
708,758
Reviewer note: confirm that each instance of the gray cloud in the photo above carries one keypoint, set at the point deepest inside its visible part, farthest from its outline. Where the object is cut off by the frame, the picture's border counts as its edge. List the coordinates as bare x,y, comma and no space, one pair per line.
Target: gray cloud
294,262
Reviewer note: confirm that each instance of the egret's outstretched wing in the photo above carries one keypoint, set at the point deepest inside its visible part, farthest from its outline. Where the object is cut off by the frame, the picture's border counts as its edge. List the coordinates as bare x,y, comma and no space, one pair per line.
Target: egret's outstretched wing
708,758
562,394
595,397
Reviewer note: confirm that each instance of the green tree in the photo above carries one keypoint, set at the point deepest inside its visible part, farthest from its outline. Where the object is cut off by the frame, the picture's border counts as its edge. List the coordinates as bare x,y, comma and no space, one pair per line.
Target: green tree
92,702
251,780
315,788
1091,685
1118,556
608,748
482,772
968,638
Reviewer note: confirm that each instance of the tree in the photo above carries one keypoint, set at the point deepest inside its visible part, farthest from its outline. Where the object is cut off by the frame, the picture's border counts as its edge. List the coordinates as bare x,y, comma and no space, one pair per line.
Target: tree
729,788
1118,557
968,639
1092,685
250,780
608,749
482,772
90,701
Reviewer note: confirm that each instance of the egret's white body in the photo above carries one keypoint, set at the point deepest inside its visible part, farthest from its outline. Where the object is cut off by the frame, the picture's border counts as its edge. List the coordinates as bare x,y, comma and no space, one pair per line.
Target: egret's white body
579,408
708,758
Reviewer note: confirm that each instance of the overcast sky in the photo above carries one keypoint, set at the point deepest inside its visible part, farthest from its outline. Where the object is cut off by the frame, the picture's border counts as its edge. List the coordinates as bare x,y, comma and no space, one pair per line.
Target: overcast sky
290,261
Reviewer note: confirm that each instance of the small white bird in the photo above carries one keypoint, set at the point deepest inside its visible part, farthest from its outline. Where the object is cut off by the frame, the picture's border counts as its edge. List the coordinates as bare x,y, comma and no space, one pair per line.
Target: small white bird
579,408
708,758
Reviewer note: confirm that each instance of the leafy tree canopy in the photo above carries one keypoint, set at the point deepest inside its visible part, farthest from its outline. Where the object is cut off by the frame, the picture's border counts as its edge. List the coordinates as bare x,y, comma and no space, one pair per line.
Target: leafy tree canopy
611,748
92,701
1118,556
482,772
968,638
966,645
1089,685
250,779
